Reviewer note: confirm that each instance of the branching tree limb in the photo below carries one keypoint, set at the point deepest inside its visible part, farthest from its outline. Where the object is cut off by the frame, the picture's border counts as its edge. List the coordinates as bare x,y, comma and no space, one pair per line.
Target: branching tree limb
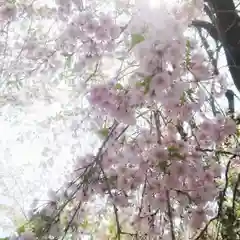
209,27
225,27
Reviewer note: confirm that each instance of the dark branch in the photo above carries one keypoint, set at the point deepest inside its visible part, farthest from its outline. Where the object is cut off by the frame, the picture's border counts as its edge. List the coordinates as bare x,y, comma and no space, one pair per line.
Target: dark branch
230,97
225,27
209,27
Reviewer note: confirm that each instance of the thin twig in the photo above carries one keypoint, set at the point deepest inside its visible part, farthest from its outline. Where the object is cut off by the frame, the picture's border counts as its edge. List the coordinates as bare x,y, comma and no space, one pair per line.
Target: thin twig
222,198
170,216
157,122
71,221
235,193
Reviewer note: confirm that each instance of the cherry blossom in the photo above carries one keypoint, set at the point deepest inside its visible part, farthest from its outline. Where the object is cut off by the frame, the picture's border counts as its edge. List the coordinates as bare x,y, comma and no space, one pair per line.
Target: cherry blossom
155,158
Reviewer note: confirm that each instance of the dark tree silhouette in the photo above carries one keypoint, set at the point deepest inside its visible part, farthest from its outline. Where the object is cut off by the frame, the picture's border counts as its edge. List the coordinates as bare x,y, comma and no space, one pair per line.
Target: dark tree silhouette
231,106
224,27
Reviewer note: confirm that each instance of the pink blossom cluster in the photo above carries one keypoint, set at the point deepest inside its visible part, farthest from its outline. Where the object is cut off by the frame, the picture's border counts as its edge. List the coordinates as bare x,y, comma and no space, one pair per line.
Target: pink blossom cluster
7,11
160,172
113,102
163,77
86,37
73,32
96,34
167,164
174,167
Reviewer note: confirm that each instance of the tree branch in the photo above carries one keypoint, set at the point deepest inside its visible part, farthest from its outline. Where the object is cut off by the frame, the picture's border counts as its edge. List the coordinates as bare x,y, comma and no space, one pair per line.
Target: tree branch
209,27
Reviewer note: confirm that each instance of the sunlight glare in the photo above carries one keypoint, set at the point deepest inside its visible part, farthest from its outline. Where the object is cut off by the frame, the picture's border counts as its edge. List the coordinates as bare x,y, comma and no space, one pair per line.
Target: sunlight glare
158,3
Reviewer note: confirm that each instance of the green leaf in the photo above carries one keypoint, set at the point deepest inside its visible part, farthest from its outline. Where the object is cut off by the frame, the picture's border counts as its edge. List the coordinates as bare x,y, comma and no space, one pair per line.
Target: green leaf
136,39
119,86
103,132
173,149
188,54
21,229
112,229
84,224
183,99
238,132
147,81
